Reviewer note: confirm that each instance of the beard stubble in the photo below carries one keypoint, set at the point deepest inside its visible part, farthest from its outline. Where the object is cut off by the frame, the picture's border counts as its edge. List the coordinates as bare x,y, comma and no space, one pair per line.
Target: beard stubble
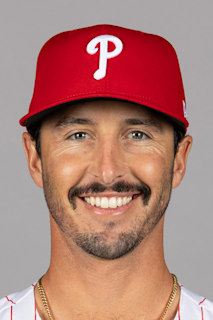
98,243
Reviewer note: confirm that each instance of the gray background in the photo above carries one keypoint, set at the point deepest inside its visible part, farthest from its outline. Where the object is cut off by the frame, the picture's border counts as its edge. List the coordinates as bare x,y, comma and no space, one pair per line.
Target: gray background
24,227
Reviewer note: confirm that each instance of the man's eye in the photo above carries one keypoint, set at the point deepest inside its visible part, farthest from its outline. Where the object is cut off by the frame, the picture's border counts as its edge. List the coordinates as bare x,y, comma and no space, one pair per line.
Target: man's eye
78,136
137,135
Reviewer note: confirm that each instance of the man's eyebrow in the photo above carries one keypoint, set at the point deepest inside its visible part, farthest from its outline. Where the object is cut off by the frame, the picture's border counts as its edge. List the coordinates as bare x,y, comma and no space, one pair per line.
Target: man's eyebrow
67,121
145,122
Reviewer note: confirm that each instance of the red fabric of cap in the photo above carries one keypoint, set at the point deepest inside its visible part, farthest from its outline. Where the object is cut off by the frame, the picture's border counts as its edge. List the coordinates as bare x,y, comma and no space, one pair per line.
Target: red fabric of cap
139,67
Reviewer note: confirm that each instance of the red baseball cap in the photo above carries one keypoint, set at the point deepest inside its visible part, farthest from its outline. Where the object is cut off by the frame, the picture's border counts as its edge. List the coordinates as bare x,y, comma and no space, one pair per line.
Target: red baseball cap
106,61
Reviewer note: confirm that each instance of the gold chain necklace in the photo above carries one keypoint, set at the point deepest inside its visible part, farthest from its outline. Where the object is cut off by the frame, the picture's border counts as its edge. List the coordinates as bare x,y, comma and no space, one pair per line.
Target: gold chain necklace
171,298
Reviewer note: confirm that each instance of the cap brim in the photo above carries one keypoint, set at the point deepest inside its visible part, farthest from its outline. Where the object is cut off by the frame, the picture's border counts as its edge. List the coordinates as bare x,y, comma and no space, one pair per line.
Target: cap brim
32,120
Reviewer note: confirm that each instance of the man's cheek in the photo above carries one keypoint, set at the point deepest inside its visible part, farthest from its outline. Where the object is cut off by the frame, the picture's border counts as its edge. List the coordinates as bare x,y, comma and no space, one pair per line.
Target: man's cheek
151,171
66,177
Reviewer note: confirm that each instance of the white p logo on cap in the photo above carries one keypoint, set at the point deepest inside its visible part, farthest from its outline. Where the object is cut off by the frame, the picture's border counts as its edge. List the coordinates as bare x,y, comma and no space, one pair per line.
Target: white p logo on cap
104,53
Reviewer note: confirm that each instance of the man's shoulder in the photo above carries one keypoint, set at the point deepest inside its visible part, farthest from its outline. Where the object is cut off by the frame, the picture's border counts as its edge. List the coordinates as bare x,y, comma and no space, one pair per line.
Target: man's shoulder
22,302
192,306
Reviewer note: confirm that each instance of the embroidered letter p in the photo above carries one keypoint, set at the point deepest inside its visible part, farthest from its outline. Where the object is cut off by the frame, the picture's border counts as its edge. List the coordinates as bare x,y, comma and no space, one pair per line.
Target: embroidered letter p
104,53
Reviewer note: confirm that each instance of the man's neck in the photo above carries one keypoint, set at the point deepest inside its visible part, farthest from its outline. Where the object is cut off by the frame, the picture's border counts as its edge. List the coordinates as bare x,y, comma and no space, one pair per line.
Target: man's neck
80,286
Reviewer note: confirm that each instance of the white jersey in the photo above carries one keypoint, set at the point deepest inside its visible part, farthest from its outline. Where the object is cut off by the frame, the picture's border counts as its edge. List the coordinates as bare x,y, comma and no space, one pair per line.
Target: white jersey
21,306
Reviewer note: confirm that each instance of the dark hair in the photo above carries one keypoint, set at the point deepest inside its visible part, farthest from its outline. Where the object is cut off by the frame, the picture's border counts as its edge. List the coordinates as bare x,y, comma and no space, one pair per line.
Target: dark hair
178,137
35,132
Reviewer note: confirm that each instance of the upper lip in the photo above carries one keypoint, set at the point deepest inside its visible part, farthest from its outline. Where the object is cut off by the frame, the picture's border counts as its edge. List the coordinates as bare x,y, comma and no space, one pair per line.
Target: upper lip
110,194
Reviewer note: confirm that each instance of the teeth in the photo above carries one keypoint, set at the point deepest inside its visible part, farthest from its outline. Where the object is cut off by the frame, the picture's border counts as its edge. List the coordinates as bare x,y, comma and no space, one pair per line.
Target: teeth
112,203
92,201
88,200
125,200
119,202
98,202
105,203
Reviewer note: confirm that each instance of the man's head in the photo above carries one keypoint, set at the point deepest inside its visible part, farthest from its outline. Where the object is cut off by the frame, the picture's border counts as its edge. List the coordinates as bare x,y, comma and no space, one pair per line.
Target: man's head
107,169
106,135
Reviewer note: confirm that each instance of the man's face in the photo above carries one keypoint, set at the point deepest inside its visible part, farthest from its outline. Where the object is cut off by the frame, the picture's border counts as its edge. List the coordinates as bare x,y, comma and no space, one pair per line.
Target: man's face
107,170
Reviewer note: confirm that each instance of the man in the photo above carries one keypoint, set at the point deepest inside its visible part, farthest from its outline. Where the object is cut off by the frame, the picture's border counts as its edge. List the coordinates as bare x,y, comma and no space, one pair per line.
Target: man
107,142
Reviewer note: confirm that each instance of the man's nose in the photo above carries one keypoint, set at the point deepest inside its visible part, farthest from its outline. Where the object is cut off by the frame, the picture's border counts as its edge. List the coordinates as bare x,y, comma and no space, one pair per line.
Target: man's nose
109,164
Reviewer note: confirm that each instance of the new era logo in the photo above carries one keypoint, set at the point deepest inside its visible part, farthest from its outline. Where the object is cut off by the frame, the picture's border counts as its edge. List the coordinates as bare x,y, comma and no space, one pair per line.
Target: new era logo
184,109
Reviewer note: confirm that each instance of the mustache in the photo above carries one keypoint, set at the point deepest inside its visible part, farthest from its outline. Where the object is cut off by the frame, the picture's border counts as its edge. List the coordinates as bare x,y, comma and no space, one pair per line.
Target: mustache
120,186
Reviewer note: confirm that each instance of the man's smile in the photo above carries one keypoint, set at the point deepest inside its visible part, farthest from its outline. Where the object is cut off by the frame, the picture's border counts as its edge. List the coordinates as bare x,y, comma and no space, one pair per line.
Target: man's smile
105,202
120,195
109,204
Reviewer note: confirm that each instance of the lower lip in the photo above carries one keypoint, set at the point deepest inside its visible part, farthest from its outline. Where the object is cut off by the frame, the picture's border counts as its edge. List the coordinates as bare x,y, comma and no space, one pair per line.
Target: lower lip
110,211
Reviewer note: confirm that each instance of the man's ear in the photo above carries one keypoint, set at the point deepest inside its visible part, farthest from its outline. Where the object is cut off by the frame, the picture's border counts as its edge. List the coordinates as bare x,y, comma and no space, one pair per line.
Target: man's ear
33,159
180,160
